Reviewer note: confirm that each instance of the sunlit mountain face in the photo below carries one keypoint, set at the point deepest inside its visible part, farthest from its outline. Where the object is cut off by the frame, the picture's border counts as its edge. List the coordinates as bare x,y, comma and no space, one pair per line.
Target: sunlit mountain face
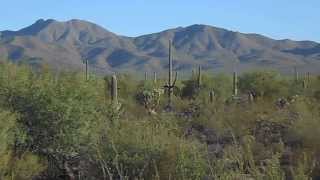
65,45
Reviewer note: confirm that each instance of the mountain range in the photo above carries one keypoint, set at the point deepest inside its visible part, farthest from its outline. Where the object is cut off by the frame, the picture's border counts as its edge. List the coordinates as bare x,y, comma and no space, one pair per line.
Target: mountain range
65,45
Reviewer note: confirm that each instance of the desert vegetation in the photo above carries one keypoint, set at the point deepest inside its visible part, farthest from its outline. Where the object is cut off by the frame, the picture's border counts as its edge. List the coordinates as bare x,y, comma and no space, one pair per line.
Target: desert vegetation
76,125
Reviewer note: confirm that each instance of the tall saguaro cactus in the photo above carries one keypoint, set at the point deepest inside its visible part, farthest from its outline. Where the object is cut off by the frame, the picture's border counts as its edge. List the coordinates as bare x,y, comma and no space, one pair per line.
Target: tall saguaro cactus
87,69
199,79
155,77
170,62
114,89
235,83
171,83
146,76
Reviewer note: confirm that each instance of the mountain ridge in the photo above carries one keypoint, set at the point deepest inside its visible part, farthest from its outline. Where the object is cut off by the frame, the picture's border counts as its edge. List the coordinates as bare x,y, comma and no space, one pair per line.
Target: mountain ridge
66,44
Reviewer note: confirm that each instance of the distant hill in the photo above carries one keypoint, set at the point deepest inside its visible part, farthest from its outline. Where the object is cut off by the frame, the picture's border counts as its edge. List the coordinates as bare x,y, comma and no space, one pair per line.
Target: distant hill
67,44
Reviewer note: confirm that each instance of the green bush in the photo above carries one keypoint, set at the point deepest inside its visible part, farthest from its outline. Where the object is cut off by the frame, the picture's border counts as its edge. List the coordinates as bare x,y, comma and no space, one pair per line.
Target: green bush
265,84
14,163
158,151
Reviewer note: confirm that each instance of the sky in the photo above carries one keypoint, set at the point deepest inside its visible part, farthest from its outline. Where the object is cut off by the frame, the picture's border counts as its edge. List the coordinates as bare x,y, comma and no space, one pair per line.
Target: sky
279,19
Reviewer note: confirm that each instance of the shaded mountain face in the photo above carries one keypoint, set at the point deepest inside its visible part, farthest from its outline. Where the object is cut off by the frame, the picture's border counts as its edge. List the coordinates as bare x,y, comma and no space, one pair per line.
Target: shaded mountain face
66,44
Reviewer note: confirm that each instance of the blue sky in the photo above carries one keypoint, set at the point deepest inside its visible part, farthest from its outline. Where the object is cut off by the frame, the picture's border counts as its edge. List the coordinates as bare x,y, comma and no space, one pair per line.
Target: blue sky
294,19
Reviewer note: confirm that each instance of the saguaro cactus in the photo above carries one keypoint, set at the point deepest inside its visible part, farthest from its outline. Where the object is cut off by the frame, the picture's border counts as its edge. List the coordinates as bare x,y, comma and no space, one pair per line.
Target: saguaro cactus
199,78
87,69
304,84
114,90
155,77
146,76
235,83
211,96
171,83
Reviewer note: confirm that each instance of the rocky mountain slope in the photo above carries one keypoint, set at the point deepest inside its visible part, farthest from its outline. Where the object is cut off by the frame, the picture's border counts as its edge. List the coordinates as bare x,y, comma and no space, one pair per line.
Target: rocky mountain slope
66,45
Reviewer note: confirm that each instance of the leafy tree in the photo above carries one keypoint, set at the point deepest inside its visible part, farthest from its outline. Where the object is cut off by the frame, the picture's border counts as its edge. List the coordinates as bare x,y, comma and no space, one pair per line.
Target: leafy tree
264,84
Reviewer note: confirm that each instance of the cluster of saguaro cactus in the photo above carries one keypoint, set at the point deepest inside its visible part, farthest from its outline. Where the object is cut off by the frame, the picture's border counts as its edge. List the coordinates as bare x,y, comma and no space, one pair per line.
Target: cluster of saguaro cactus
154,77
306,80
171,82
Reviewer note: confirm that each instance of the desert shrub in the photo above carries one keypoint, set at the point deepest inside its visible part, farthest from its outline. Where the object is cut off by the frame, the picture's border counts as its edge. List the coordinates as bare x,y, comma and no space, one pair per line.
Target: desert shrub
21,167
307,122
190,89
220,84
127,85
239,161
314,89
303,169
16,163
264,84
56,115
158,151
